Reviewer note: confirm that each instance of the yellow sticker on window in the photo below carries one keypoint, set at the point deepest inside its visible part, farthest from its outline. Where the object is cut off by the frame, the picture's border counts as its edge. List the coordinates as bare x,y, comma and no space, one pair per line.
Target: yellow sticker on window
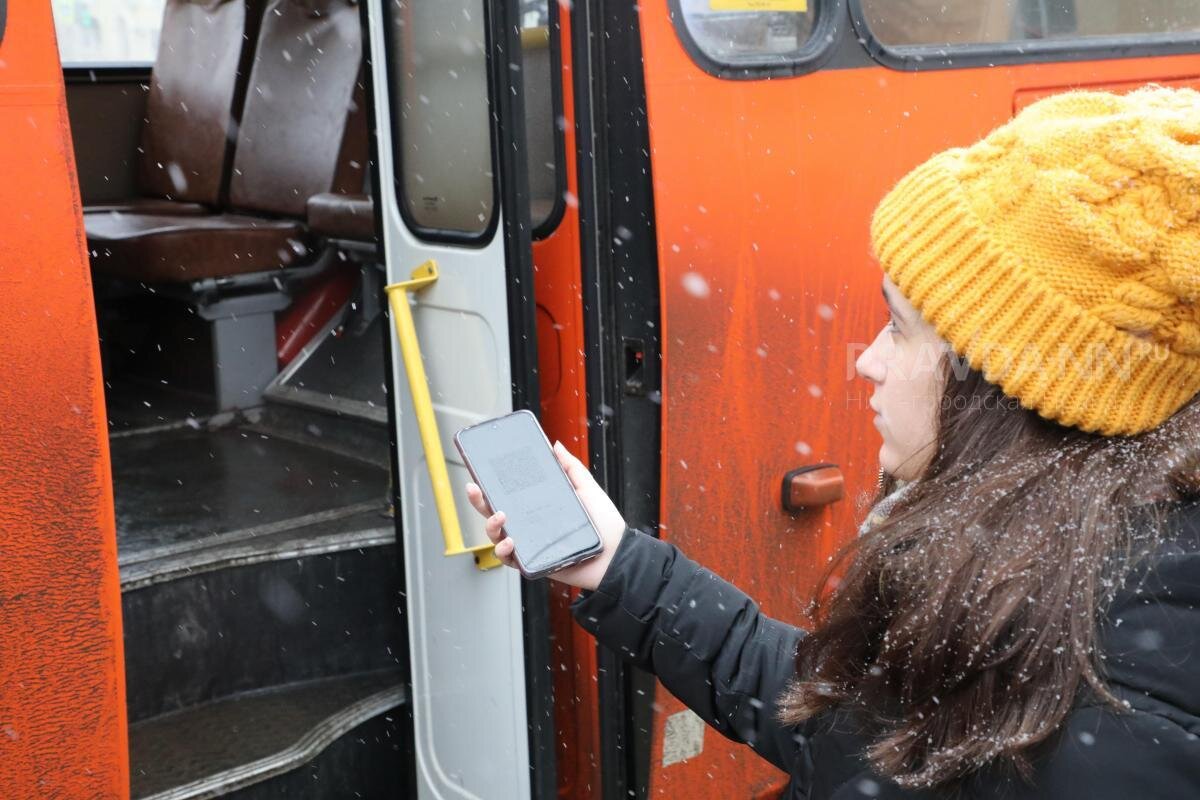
759,5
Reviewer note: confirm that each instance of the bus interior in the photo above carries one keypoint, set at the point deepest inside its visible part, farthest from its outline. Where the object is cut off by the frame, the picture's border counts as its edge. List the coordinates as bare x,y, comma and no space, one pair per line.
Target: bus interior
238,292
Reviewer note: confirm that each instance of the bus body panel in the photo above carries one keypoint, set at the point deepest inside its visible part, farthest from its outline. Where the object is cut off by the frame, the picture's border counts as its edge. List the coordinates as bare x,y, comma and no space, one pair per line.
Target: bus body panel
763,196
62,712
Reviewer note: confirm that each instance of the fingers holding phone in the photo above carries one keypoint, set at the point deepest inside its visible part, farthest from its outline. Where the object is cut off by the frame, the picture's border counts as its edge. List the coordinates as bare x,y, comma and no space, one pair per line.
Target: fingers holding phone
493,525
609,522
566,527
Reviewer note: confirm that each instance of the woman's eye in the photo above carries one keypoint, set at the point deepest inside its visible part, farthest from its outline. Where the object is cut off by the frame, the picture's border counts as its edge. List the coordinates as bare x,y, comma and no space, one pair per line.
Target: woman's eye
891,325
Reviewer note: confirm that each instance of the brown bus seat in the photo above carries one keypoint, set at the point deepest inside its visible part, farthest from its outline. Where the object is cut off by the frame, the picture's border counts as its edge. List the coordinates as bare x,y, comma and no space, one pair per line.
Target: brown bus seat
342,216
302,132
196,90
169,247
147,205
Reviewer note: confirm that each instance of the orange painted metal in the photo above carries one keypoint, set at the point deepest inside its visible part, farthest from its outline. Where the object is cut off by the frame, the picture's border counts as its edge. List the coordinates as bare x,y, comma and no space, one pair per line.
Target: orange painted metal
763,194
62,685
1026,96
556,261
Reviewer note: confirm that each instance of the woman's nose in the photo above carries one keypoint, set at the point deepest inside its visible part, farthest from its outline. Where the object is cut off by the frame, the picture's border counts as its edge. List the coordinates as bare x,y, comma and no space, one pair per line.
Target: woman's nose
869,365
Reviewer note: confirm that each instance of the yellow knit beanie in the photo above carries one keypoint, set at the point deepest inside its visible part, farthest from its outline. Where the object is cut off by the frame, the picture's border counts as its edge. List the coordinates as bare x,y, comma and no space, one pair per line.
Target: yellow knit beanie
1060,255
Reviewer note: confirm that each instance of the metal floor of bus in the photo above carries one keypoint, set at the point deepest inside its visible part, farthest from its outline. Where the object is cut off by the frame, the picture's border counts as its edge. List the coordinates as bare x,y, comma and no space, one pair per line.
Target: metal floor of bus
179,487
183,481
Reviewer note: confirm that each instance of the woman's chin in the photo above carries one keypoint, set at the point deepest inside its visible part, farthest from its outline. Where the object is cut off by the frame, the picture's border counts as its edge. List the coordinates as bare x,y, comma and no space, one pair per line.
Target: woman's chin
887,460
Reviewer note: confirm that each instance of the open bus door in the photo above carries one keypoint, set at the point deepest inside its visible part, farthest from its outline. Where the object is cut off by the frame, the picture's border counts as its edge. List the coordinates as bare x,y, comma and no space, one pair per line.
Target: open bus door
455,227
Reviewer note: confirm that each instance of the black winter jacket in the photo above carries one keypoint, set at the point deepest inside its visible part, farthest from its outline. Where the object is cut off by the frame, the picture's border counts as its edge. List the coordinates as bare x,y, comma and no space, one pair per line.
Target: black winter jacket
711,647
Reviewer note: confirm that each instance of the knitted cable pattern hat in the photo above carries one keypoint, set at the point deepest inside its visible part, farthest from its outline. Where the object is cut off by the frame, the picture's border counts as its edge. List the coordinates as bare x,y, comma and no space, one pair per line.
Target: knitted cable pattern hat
1060,255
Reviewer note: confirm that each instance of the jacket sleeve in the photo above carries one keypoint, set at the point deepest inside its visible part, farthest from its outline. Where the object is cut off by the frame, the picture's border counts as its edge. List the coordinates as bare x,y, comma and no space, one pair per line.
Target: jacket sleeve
705,640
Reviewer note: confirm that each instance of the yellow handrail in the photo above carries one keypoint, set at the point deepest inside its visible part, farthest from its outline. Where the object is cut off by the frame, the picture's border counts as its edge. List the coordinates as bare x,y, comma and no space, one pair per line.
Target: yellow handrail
418,383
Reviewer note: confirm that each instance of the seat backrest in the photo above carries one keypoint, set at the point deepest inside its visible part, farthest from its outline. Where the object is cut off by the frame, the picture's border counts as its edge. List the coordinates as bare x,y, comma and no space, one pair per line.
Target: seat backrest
196,91
303,129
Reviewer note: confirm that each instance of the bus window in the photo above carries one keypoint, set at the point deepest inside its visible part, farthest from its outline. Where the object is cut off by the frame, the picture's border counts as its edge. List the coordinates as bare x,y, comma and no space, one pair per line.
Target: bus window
933,22
1117,17
99,32
440,117
543,112
749,33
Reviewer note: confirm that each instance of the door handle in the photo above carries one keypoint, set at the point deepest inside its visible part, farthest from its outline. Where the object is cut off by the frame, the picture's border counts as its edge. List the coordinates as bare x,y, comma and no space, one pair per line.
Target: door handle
812,486
431,439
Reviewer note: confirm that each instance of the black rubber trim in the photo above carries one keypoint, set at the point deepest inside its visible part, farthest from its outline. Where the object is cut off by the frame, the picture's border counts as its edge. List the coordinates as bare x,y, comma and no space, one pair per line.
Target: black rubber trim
916,58
616,762
620,296
405,657
459,238
810,58
408,747
550,224
106,73
502,24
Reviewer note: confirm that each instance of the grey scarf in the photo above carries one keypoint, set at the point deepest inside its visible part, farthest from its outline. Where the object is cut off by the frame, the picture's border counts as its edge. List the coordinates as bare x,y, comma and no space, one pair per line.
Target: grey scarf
879,512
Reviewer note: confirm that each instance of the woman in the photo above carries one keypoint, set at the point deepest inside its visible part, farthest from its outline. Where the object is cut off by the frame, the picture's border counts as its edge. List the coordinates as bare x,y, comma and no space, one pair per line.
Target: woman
1020,616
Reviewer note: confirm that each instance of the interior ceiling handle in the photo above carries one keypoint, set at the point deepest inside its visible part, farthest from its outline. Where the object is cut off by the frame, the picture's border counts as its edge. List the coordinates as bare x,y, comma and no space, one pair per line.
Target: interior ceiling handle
812,486
431,440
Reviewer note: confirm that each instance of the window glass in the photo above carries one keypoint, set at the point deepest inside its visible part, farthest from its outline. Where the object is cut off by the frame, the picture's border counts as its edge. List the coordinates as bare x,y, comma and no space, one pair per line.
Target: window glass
440,113
108,31
744,33
542,124
933,22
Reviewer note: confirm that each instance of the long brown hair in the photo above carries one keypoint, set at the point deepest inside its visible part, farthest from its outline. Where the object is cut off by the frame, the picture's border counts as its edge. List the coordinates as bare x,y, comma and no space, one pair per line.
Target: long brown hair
964,625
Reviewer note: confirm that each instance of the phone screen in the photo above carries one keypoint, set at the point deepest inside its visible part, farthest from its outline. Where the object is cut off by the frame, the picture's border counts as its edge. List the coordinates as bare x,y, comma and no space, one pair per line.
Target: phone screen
519,474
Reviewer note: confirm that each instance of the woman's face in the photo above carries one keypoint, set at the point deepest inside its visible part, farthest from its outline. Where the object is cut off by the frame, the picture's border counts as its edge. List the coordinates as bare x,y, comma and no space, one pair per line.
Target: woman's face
902,364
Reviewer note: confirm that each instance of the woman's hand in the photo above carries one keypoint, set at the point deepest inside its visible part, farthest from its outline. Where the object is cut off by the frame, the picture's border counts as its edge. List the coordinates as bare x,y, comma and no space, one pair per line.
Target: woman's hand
609,523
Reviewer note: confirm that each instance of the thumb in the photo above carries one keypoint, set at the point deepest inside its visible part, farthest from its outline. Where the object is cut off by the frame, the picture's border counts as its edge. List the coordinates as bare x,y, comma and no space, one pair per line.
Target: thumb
574,468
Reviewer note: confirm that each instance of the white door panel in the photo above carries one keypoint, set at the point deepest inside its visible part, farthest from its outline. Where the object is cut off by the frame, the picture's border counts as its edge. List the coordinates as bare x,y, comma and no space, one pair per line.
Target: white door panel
465,626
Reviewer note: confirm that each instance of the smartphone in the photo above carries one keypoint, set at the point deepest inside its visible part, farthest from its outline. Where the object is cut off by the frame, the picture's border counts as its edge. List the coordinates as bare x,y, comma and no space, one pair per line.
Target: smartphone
511,461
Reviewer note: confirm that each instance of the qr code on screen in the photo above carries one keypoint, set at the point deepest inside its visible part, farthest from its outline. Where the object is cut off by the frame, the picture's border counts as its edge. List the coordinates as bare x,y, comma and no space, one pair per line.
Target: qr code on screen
518,470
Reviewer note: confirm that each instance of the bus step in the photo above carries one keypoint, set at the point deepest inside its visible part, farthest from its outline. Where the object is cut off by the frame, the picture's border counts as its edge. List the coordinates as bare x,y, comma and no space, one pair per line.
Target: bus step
319,734
179,487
